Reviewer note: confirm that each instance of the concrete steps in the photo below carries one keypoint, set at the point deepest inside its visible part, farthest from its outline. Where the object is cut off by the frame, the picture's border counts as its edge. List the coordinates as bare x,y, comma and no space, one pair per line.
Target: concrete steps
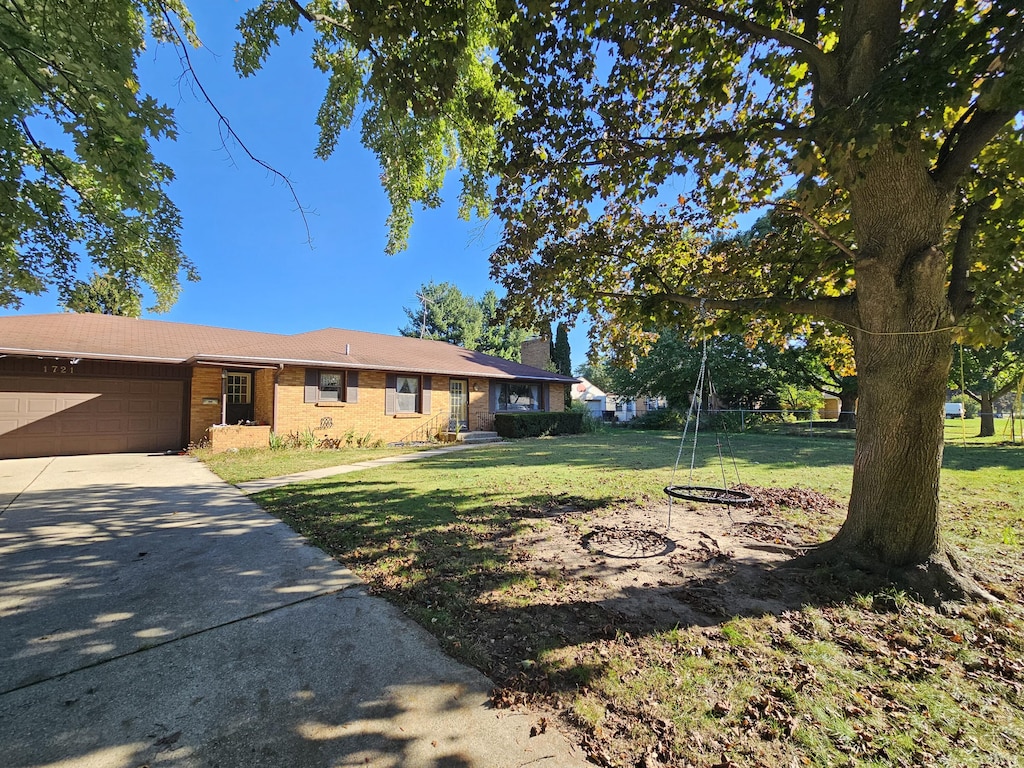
471,437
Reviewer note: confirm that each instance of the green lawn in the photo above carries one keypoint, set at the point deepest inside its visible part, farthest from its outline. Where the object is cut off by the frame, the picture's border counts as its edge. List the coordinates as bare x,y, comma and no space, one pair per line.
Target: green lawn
965,431
853,679
257,463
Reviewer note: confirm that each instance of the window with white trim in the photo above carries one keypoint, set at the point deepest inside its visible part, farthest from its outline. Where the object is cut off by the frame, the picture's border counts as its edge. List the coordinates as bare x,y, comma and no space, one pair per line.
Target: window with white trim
407,394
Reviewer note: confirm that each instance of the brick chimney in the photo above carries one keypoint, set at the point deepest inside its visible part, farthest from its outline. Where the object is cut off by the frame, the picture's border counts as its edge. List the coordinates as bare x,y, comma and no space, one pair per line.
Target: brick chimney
536,352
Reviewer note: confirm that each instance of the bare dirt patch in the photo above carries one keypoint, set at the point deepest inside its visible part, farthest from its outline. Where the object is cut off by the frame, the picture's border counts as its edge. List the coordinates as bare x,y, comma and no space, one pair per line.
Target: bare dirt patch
693,565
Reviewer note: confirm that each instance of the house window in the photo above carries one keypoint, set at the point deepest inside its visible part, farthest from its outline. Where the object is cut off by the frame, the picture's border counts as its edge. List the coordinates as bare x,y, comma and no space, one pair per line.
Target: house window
404,395
518,396
330,386
239,388
407,391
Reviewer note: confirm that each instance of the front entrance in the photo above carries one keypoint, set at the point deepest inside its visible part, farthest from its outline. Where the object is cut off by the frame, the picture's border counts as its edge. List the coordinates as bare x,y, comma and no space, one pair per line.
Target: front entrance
458,397
238,397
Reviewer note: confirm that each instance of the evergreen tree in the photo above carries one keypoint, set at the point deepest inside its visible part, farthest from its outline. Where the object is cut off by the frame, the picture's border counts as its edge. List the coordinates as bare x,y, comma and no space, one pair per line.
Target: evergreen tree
560,352
105,295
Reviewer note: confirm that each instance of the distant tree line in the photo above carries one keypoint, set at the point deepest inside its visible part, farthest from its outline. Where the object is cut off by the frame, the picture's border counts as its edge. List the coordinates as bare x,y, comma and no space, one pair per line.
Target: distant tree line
445,313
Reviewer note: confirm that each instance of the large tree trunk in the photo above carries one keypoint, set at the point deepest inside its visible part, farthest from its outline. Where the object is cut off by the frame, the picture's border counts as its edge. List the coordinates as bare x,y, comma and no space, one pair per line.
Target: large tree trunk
988,418
902,333
894,503
848,403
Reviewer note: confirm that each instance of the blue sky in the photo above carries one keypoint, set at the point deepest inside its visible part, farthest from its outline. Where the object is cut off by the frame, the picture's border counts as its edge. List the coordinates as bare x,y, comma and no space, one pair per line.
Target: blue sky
240,224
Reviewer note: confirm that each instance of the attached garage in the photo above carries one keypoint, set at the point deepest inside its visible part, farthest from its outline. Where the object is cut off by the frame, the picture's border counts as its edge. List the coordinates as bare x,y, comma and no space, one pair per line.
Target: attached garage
73,414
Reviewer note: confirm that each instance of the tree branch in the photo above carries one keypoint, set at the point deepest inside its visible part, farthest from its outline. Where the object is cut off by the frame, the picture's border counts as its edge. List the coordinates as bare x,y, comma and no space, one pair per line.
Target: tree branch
839,308
322,18
807,50
817,226
707,137
972,137
47,158
225,123
312,17
768,129
959,294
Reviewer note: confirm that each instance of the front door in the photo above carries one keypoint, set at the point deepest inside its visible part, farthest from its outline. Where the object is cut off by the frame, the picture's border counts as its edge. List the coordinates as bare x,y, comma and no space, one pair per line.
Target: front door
238,396
458,397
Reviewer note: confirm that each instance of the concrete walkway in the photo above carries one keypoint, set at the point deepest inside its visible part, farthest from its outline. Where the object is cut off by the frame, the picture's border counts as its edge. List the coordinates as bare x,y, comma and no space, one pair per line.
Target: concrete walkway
255,486
151,615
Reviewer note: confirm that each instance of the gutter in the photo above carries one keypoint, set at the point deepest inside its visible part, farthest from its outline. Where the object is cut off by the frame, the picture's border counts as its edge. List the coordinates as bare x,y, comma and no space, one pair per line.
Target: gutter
273,362
90,355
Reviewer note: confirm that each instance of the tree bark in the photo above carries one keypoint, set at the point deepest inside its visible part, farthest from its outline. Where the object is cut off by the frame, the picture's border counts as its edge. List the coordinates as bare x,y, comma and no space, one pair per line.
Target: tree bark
848,404
902,348
894,502
988,419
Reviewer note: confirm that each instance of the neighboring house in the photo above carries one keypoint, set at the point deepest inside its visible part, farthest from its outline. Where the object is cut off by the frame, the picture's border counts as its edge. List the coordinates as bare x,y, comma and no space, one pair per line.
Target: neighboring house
593,397
625,407
830,409
609,407
85,383
648,404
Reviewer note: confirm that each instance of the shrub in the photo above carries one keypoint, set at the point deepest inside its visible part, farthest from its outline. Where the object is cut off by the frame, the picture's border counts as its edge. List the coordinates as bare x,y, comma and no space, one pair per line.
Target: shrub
591,423
666,418
539,423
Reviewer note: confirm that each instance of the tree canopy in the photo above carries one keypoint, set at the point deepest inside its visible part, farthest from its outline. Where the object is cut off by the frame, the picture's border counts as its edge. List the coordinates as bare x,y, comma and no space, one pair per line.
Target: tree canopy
445,313
419,75
79,179
561,353
499,337
884,142
648,129
743,376
986,373
104,294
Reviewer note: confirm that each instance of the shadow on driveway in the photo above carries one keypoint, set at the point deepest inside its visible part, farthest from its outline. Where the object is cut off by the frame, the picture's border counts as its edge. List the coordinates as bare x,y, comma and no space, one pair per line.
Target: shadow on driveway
150,614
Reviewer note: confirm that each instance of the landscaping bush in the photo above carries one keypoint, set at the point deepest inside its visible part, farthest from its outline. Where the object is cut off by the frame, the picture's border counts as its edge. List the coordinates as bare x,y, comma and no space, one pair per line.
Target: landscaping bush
666,418
539,423
591,423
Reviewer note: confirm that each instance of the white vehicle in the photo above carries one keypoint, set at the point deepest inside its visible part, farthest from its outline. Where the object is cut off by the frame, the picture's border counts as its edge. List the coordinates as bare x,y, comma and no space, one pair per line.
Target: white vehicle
954,410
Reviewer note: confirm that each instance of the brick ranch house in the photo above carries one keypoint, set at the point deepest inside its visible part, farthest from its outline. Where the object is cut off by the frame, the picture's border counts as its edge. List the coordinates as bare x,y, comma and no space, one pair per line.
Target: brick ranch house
82,383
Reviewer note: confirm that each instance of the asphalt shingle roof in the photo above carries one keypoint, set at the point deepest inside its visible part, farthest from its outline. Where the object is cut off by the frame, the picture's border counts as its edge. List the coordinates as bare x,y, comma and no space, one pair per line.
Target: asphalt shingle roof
106,337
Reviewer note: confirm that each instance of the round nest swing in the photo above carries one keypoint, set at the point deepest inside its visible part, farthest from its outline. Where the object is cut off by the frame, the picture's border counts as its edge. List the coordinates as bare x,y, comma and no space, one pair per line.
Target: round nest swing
727,496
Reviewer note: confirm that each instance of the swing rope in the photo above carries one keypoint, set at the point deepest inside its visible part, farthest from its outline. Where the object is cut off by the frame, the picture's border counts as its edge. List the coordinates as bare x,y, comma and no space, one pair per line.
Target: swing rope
699,493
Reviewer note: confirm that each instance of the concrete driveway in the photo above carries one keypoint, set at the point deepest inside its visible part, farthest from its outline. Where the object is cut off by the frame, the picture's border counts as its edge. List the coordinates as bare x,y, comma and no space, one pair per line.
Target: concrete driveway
151,615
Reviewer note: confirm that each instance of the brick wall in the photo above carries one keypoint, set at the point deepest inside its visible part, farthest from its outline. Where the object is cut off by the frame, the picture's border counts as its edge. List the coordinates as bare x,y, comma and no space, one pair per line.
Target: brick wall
480,417
556,397
364,418
228,436
263,396
206,383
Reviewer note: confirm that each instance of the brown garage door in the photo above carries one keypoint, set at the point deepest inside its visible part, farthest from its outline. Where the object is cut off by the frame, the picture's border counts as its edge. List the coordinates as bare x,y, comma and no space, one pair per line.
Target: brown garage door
63,416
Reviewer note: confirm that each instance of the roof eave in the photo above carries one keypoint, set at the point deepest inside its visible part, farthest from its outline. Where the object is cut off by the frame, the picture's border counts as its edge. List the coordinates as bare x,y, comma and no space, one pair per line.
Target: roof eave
63,353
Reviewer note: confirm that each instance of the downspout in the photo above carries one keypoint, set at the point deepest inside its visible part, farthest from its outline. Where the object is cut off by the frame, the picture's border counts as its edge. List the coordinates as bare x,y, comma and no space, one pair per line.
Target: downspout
223,396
